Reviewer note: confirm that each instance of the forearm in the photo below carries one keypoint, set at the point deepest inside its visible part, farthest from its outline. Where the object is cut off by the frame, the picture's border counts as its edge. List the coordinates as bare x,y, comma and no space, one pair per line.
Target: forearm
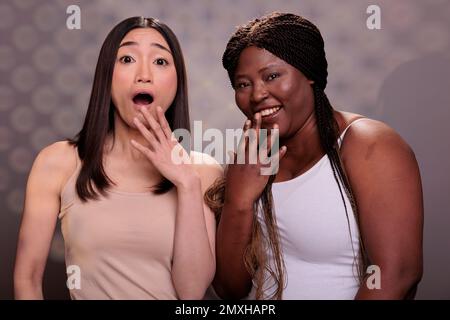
27,289
232,279
29,270
193,261
394,286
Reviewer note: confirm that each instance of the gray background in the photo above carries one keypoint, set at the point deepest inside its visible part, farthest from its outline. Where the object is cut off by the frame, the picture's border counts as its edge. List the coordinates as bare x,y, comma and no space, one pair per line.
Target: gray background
399,74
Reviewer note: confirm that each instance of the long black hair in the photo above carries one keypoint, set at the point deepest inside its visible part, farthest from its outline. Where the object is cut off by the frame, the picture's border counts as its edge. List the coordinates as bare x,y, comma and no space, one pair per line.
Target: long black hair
99,121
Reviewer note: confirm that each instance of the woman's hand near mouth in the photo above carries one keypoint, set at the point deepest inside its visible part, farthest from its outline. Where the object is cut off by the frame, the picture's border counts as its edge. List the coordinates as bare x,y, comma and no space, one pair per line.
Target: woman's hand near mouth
163,147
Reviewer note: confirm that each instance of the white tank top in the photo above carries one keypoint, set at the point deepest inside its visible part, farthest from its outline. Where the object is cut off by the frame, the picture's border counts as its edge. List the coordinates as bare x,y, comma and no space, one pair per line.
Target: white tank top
314,235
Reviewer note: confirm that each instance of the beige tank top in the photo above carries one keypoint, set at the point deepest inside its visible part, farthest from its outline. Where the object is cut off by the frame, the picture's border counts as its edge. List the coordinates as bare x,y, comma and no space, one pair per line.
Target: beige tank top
120,246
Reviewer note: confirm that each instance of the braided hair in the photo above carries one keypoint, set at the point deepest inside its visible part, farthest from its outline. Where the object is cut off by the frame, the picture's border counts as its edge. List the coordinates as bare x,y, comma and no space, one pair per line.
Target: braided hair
297,41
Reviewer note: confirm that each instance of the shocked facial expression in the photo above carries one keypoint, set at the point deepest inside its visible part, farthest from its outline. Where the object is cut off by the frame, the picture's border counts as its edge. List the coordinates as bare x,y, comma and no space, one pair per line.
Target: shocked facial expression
267,84
144,74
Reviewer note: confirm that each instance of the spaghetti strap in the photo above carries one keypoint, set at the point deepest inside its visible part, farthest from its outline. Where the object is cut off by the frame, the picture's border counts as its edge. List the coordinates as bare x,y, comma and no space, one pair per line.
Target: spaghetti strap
341,137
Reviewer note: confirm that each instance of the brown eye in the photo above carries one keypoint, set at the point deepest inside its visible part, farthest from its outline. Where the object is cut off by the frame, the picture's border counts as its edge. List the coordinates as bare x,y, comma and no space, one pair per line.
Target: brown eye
272,76
161,62
126,59
241,85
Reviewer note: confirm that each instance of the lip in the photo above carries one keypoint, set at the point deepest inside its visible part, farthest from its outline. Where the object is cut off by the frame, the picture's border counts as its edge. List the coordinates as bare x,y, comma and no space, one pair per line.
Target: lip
145,91
272,116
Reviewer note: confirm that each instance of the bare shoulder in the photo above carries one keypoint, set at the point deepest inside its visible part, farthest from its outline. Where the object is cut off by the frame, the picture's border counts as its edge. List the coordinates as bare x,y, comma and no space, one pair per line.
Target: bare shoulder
373,145
57,155
207,167
56,161
370,134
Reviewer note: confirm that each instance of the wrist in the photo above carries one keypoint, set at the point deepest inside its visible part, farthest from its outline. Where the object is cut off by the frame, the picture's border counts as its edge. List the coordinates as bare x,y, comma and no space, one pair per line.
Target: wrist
189,182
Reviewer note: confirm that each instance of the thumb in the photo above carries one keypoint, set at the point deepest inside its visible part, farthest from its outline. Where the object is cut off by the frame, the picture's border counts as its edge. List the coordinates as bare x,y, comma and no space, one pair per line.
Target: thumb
283,151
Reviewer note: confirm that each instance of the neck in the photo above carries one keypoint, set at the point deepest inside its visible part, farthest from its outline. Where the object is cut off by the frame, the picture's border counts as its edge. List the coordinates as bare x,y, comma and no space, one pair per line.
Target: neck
126,165
303,148
305,140
120,143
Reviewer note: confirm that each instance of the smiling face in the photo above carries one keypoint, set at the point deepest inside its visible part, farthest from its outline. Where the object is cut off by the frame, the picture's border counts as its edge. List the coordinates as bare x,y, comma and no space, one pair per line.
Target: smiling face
267,84
144,74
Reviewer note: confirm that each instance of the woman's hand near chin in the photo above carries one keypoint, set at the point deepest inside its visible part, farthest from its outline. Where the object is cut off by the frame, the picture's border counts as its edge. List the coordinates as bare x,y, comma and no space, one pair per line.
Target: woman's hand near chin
240,176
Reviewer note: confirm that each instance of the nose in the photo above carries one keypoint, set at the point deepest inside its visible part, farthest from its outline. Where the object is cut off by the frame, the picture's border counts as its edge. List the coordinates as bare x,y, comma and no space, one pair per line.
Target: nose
144,74
259,93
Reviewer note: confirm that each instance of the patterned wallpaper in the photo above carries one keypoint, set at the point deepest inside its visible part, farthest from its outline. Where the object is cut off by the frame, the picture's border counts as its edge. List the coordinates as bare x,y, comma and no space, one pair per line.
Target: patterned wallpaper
47,71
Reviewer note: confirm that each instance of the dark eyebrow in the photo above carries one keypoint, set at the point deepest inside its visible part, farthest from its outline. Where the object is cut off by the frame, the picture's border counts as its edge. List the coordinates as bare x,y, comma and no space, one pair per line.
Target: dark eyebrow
128,43
154,44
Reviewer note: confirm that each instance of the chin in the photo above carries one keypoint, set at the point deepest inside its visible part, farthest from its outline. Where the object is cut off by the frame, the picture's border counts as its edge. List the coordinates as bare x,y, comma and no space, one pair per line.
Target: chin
269,126
283,132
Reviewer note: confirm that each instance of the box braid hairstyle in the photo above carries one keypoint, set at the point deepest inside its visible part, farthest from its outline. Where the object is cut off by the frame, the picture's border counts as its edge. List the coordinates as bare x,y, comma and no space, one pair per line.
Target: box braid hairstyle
298,42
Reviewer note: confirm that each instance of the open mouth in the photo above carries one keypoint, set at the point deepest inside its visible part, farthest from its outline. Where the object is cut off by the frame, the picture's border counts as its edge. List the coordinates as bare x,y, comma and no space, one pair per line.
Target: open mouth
143,99
270,112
